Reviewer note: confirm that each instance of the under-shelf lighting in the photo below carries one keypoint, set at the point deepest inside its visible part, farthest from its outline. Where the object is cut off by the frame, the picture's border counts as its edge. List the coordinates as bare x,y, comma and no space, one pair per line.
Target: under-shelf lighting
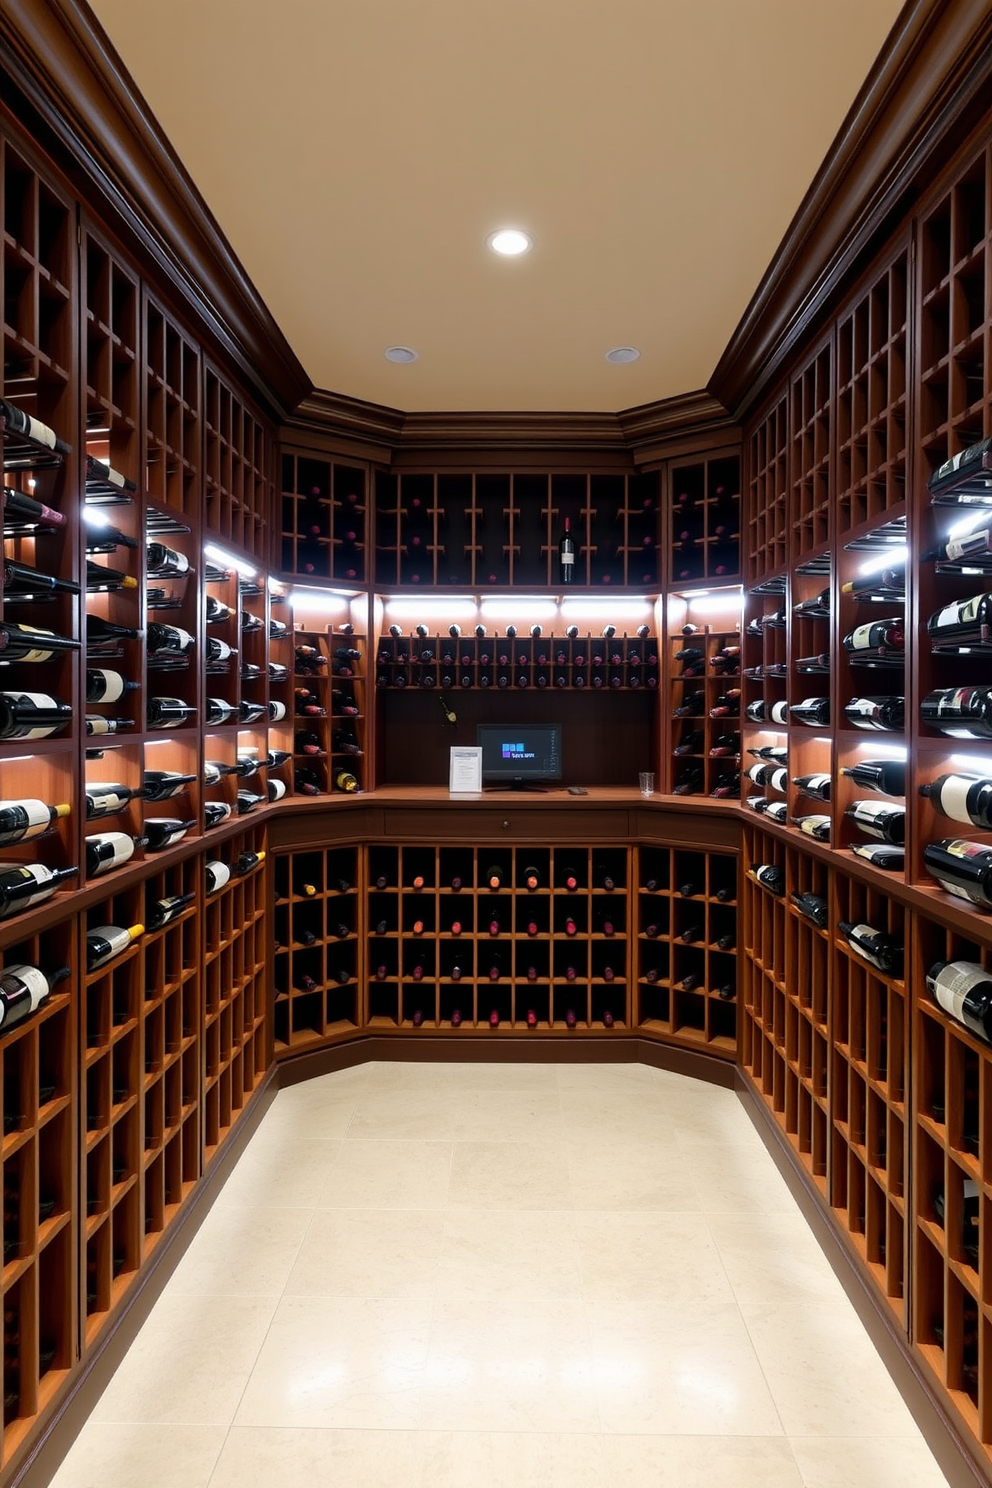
605,609
970,522
886,751
228,560
892,557
714,604
537,608
434,608
94,517
317,599
971,762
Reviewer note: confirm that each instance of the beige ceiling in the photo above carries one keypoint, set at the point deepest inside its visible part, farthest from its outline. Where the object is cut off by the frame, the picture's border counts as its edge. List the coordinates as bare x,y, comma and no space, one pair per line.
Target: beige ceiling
358,152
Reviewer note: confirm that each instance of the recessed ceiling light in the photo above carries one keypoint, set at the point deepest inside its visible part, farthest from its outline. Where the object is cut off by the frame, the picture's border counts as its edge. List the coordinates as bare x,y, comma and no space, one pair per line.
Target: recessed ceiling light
619,354
510,242
400,354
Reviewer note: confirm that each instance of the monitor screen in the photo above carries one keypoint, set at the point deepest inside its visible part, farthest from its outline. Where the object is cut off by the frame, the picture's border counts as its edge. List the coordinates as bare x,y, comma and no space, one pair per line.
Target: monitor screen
512,752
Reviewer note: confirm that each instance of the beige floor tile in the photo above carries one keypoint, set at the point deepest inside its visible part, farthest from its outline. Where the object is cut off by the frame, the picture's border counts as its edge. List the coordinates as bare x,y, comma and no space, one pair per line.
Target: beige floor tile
737,1180
388,1175
621,1077
323,1114
823,1371
866,1462
396,1115
704,1462
190,1362
701,1115
369,1253
499,1368
505,1116
507,1459
509,1175
680,1371
240,1250
659,1257
286,1457
617,1116
518,1076
353,1362
512,1254
280,1173
771,1256
108,1455
622,1176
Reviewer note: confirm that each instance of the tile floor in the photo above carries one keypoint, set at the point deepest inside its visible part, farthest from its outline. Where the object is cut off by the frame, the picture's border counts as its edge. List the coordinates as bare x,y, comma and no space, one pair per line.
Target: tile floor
441,1276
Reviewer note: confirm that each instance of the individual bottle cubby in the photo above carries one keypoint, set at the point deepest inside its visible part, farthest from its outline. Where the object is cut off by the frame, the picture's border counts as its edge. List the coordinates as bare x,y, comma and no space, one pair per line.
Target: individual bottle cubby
40,1220
497,937
705,710
237,943
554,658
318,934
686,937
323,518
706,520
811,397
764,988
329,710
806,1020
497,531
768,488
869,1091
175,700
951,1192
764,694
173,430
236,480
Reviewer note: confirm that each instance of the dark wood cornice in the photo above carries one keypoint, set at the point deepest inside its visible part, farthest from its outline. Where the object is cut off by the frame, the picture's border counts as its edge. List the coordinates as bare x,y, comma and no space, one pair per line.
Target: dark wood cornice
61,60
927,86
676,425
369,431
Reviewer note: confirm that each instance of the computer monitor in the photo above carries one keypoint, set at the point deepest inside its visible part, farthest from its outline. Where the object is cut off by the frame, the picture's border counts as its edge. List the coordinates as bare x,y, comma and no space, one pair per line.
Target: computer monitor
520,756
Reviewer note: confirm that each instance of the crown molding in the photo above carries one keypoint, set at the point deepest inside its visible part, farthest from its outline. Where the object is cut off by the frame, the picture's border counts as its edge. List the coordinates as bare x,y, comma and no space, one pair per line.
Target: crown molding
66,70
677,425
927,87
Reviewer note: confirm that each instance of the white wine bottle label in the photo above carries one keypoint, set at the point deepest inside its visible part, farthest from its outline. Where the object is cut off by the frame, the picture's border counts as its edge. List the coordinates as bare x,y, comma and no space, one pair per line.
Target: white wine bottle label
953,702
779,780
106,797
30,817
40,652
567,559
816,782
16,977
975,542
953,984
277,789
860,637
95,724
778,811
960,848
811,702
879,853
22,873
277,711
871,810
113,848
813,824
113,686
953,796
962,613
220,874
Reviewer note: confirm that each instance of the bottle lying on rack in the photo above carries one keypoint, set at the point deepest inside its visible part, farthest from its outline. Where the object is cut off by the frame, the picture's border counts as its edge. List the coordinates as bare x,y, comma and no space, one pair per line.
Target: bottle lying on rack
760,712
108,798
108,850
345,781
817,826
884,584
23,990
967,622
960,712
965,475
23,584
814,712
728,704
22,885
162,785
161,561
882,714
888,777
881,950
105,942
218,874
220,712
727,787
770,876
818,665
964,990
969,545
726,745
882,855
880,820
172,639
776,776
815,786
813,908
23,820
817,608
879,639
32,715
689,783
20,423
777,811
691,706
159,912
215,812
101,632
26,643
102,580
168,712
964,798
776,752
276,789
963,868
756,803
163,831
691,743
104,685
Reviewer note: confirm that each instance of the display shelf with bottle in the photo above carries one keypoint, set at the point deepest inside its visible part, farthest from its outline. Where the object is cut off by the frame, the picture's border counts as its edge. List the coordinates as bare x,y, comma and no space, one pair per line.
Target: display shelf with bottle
237,475
869,1081
685,927
112,1003
318,932
951,1192
329,704
236,949
706,703
281,661
483,531
765,717
811,430
324,518
705,520
763,982
38,1073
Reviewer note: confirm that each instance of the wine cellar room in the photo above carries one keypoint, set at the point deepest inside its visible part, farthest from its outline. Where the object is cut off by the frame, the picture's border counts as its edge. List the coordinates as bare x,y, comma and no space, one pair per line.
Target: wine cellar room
496,755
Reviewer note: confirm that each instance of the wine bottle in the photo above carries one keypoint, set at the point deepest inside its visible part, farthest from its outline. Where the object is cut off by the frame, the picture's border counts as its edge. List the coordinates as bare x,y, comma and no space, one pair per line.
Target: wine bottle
814,826
726,746
964,623
101,632
961,712
22,820
881,854
759,712
817,786
777,752
727,704
813,908
219,711
107,941
888,777
691,706
23,989
108,850
531,878
566,555
22,583
108,798
217,611
162,561
277,711
817,608
215,812
976,544
248,800
884,714
168,638
689,783
23,885
276,789
879,637
815,711
874,946
879,819
883,584
168,712
252,712
770,876
964,990
162,785
964,798
777,811
96,724
963,868
163,831
32,715
161,912
218,874
26,643
106,686
103,580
